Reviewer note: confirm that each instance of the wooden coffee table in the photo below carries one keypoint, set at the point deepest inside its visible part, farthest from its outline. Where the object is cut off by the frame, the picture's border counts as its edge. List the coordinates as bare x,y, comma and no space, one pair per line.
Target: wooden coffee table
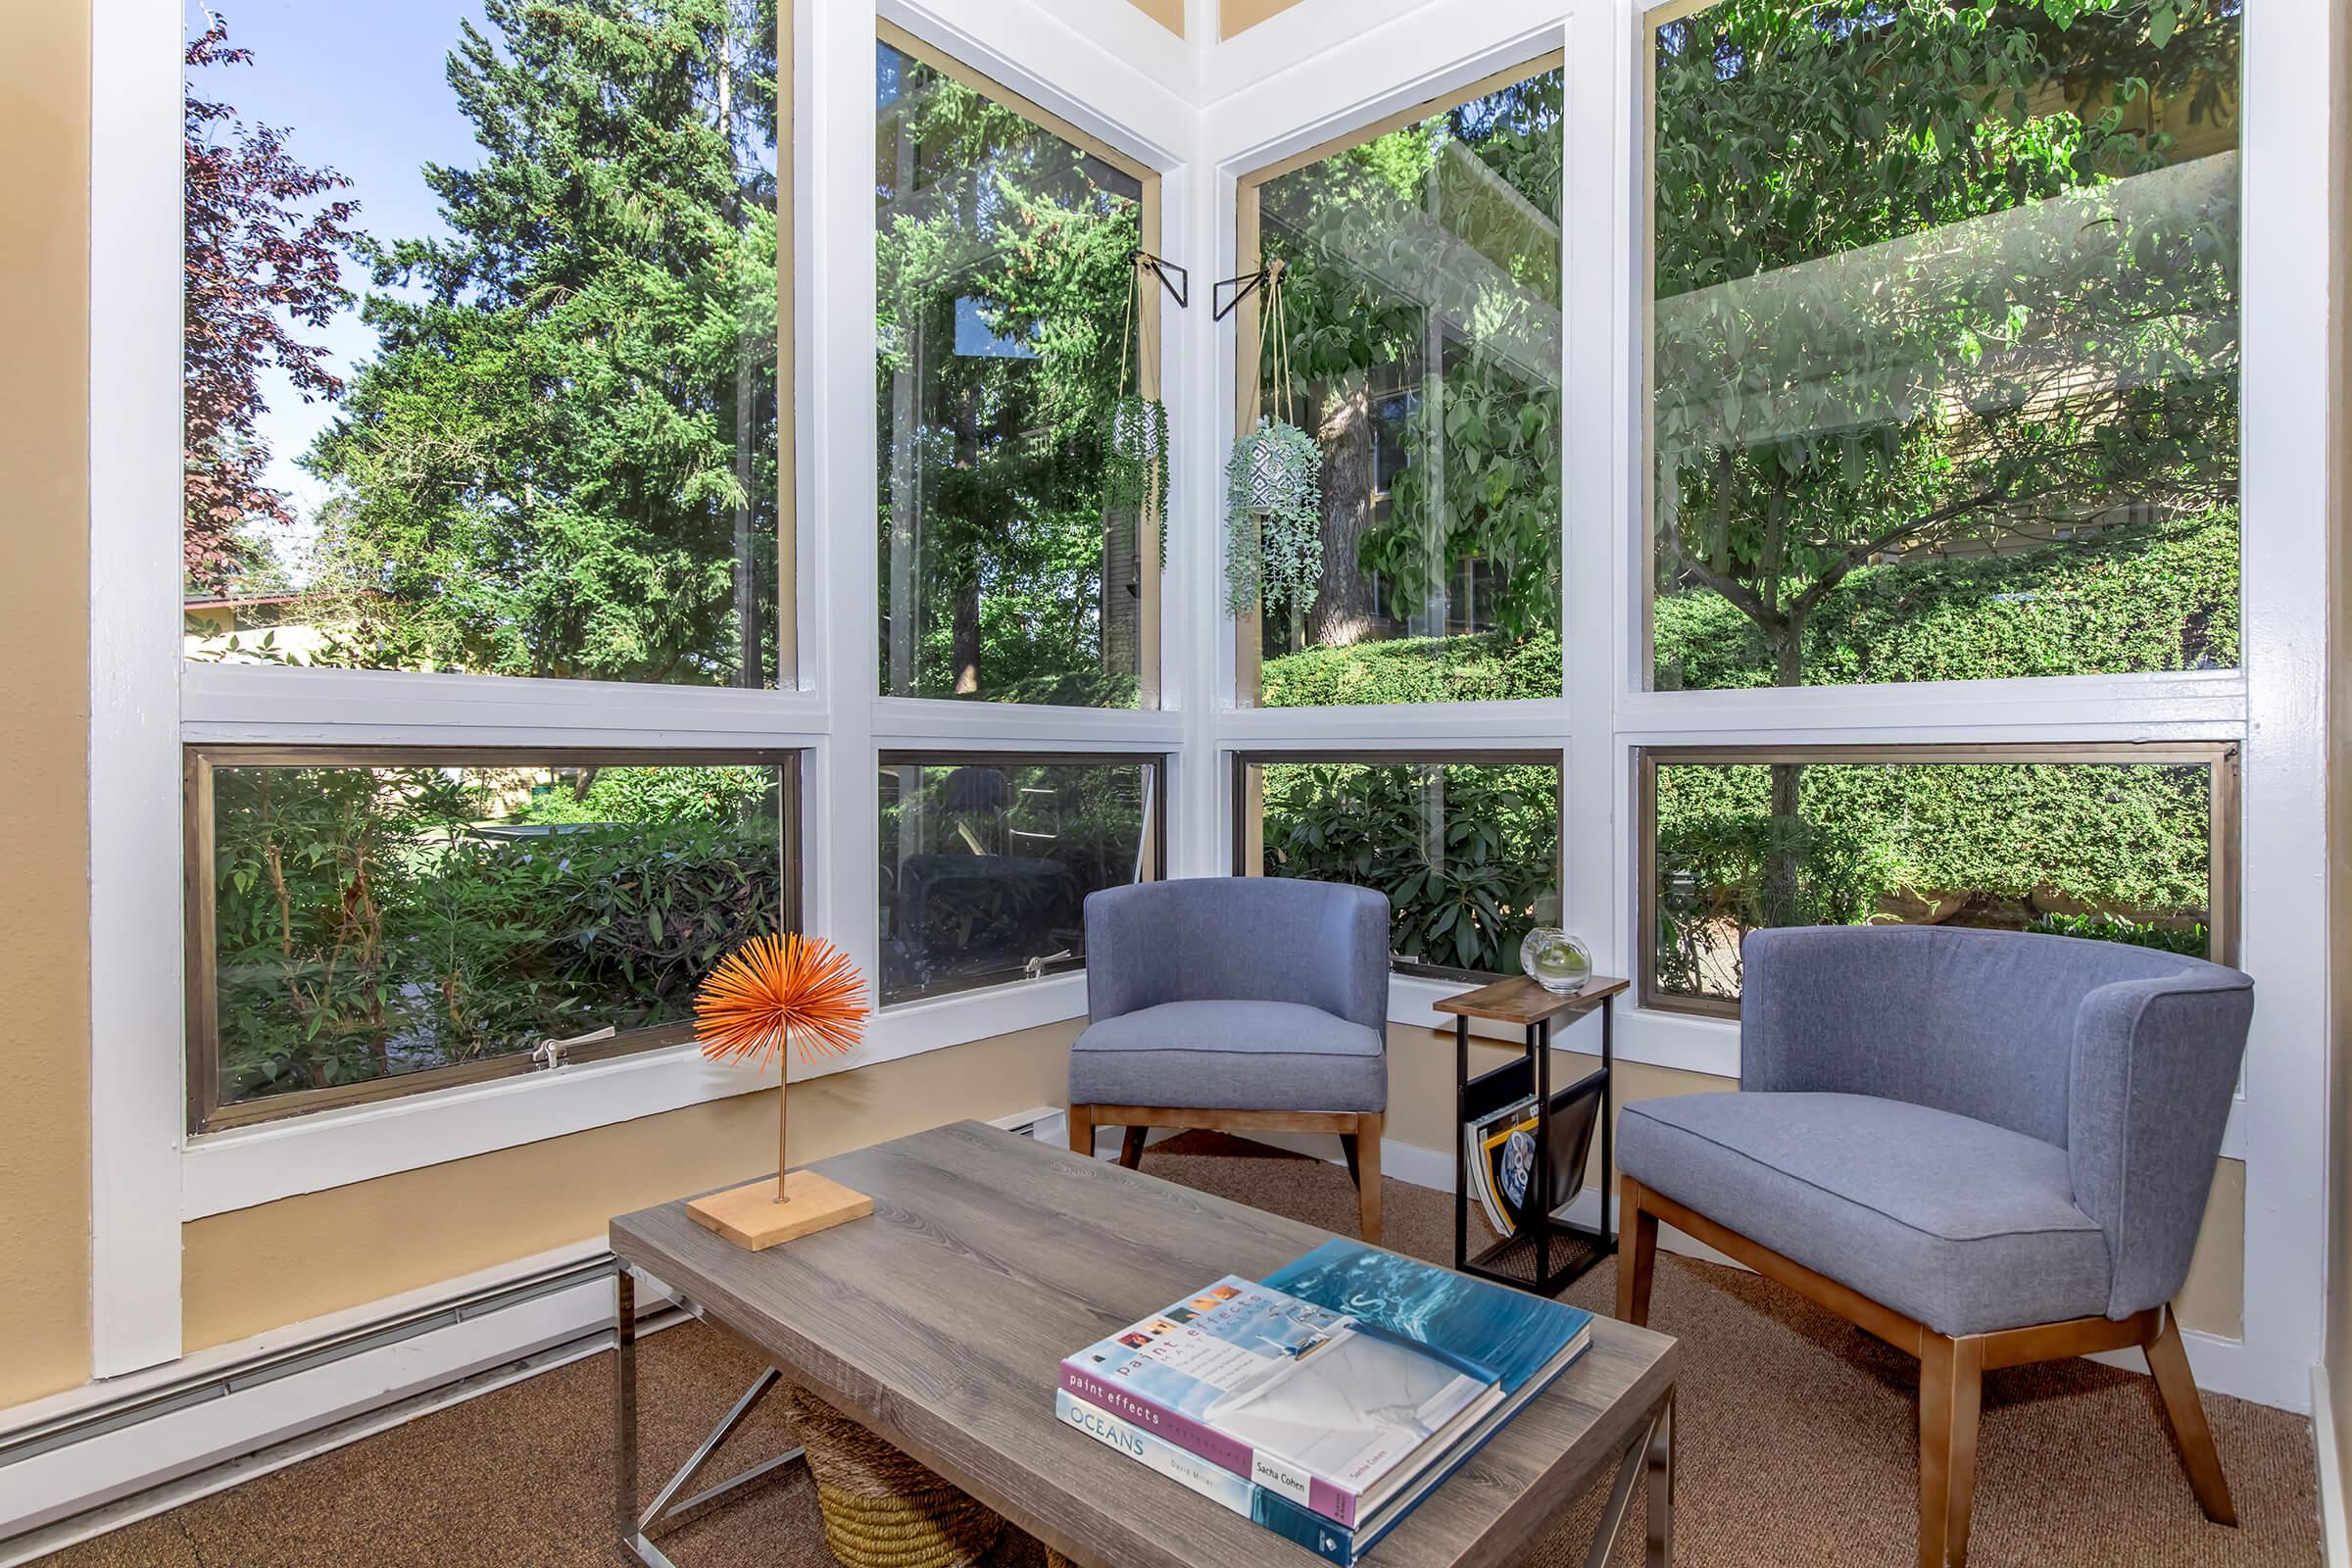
941,1320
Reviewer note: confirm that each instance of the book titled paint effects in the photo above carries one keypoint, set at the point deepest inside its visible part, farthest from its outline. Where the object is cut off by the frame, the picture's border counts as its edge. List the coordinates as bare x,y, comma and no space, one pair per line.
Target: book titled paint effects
1327,1400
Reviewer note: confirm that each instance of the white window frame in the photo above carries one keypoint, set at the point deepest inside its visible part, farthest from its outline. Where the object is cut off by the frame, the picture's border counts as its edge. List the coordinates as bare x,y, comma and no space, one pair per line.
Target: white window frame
1262,102
149,1175
1203,112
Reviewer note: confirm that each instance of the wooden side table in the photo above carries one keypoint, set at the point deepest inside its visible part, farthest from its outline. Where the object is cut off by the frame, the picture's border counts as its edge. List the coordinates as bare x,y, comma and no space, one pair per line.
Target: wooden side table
1525,1260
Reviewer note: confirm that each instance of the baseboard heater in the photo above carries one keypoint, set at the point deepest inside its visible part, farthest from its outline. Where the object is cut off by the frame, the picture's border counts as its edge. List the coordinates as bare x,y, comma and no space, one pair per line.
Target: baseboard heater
101,1467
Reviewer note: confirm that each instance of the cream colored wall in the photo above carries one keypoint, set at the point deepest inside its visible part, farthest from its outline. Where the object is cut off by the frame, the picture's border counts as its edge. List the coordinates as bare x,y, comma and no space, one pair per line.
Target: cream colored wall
1232,16
283,1262
1421,1114
44,718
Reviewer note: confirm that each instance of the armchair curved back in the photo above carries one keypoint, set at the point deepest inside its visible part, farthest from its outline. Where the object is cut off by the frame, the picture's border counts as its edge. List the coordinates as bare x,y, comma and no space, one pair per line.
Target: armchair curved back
1238,939
2127,1057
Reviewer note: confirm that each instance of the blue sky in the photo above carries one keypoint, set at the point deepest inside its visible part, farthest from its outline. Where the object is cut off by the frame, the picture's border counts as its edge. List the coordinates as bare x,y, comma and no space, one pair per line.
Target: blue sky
362,89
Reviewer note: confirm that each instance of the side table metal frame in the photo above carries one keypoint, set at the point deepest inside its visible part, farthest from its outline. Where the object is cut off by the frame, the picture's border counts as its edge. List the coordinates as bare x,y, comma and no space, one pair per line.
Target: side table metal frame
1601,1240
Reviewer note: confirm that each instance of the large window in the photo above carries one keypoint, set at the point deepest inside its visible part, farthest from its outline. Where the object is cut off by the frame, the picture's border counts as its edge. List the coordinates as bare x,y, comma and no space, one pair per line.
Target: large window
1466,846
2116,843
1415,338
1944,340
372,923
1010,324
481,341
987,861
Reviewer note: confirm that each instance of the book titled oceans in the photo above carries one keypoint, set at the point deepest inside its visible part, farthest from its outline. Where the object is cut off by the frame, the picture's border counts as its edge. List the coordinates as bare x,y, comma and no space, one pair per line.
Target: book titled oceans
1327,1400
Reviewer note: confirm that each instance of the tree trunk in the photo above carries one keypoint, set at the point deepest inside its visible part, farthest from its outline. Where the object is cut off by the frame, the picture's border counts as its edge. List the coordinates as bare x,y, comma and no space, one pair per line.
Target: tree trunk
1343,611
747,575
1784,863
965,635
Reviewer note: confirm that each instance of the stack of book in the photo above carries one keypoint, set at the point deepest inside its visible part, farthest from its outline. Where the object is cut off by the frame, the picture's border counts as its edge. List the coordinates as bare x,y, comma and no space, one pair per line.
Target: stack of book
1326,1401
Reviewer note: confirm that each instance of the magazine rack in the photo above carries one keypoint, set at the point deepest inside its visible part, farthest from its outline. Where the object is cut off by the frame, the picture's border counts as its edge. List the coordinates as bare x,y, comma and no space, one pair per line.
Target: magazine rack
1548,1254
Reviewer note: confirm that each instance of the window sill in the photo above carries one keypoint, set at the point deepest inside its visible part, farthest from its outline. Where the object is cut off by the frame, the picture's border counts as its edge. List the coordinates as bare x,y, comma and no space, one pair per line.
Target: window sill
239,1169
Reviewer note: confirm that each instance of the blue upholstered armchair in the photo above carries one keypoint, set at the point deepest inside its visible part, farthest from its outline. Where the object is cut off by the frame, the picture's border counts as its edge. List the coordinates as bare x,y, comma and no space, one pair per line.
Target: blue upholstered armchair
1983,1147
1242,1004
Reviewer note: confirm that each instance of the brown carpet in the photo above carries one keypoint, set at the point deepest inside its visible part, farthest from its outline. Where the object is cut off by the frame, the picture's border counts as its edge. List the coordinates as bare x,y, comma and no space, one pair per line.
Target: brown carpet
1797,1446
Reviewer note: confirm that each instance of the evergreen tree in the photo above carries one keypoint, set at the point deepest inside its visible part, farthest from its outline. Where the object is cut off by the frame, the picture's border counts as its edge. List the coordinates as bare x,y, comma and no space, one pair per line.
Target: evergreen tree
561,461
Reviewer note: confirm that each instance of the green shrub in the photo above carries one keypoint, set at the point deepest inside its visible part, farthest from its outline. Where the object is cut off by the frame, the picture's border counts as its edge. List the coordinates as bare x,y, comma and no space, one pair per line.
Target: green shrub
367,923
1467,872
2158,596
2111,839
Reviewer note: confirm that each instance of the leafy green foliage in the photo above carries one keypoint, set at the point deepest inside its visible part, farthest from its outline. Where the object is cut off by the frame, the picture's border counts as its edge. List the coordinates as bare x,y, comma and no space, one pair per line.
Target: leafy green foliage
2156,596
562,458
1438,241
375,922
1002,257
2008,843
1467,853
1924,277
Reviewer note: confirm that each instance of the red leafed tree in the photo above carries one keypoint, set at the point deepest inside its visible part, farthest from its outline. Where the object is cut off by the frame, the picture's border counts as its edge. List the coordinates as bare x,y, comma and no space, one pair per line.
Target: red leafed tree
260,263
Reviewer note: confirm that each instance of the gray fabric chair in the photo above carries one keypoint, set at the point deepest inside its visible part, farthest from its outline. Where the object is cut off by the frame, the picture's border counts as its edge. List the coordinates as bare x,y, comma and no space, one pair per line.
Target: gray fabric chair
1985,1148
1241,1003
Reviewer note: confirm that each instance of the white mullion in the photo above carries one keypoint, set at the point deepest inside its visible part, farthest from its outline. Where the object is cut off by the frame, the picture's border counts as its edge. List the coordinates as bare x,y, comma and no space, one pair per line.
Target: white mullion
2288,325
1595,315
902,723
366,706
136,1044
835,127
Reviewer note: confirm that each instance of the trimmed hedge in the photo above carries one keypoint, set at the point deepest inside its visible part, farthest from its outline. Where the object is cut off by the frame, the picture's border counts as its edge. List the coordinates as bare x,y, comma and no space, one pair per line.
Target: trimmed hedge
2119,838
2161,597
2155,597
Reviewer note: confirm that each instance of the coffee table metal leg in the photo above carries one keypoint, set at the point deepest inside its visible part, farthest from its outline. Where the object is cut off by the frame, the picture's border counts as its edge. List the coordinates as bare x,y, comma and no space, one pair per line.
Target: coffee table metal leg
636,1529
1653,1448
1660,1546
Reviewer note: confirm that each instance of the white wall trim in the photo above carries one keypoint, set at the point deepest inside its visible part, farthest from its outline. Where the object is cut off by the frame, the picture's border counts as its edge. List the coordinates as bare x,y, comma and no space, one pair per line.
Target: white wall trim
132,1471
2335,1536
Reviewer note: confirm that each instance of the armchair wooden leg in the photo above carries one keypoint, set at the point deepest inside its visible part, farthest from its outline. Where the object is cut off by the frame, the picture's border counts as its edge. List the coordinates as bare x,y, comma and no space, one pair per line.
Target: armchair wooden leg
1636,1253
1082,1130
1131,1149
1952,1385
1365,1168
2185,1413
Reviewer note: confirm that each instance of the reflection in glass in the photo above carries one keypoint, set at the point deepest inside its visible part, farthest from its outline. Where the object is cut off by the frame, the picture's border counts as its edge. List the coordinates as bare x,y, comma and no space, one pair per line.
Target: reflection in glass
1945,341
987,863
1421,289
1467,853
2112,852
1003,332
480,361
371,922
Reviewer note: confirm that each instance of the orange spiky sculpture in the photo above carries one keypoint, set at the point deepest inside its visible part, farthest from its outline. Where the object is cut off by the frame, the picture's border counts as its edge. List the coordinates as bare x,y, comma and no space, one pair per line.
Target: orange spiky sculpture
774,995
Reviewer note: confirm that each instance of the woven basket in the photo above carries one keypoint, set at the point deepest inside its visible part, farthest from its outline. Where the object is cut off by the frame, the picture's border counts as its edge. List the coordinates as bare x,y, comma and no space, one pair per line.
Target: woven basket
881,1508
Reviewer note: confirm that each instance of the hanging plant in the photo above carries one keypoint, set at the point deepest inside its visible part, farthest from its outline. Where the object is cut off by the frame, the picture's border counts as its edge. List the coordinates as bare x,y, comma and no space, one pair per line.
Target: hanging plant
1273,520
1135,466
1274,492
1135,463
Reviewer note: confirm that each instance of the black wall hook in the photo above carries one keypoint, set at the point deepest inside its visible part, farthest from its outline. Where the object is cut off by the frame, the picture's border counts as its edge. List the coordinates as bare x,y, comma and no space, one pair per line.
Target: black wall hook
1241,287
1179,288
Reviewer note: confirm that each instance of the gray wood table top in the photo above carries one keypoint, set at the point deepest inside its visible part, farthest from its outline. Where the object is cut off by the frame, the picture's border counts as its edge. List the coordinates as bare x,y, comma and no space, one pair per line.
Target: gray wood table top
941,1321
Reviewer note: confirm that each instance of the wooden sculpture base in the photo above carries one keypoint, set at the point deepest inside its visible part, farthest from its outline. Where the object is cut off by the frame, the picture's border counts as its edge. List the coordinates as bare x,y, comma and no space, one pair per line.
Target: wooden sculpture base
750,1215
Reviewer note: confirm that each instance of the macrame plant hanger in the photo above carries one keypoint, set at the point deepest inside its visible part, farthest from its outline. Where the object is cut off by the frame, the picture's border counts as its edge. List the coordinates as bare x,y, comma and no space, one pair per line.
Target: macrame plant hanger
1274,546
1139,424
